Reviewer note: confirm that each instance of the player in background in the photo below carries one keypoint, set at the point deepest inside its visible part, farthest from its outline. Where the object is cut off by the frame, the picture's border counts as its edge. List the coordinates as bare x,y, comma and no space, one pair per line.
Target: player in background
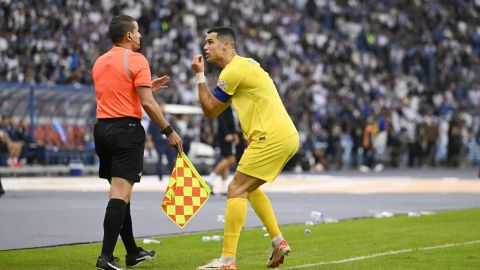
156,140
227,140
269,130
2,191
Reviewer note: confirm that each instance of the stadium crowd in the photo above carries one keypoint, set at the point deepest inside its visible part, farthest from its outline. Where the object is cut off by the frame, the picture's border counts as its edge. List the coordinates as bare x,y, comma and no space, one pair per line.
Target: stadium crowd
367,82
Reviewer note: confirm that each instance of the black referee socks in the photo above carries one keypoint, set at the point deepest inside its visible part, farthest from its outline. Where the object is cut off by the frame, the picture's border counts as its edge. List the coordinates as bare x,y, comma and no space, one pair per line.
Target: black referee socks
127,234
112,224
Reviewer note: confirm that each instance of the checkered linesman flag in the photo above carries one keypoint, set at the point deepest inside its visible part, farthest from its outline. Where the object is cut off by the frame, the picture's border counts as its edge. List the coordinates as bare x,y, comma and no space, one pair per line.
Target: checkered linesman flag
186,193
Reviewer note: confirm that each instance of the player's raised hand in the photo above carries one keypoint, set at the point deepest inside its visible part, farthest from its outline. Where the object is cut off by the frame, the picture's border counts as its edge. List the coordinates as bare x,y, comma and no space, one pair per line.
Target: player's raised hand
198,64
160,83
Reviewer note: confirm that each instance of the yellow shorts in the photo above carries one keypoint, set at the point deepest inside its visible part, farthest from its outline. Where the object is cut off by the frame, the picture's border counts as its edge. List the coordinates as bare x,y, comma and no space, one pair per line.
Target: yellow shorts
266,159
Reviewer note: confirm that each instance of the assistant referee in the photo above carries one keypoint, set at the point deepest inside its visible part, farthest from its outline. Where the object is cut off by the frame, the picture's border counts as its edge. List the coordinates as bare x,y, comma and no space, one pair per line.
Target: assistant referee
123,86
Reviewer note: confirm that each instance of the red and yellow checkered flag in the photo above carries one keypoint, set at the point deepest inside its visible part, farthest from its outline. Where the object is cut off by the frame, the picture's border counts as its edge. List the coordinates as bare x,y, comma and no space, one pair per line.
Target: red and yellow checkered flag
187,192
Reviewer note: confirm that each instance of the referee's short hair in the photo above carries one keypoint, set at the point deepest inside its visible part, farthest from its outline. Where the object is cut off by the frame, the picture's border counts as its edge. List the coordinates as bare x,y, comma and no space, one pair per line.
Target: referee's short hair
224,32
119,26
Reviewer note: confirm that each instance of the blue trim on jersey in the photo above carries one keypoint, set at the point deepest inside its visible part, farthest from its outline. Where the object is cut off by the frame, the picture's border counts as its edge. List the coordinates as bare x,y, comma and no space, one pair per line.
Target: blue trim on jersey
221,95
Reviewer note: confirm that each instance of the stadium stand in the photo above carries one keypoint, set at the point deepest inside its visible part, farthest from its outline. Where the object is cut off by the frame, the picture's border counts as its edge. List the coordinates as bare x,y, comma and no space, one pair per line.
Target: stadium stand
59,134
412,67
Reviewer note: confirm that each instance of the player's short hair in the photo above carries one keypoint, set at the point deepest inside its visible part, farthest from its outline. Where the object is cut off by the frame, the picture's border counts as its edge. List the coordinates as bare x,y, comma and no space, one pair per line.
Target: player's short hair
224,32
119,26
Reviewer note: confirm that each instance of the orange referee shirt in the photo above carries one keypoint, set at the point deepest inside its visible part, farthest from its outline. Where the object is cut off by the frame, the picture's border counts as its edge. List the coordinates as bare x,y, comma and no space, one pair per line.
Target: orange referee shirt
116,74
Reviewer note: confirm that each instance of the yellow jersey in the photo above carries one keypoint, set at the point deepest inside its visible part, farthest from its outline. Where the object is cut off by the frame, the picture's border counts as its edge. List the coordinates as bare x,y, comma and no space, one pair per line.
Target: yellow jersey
256,100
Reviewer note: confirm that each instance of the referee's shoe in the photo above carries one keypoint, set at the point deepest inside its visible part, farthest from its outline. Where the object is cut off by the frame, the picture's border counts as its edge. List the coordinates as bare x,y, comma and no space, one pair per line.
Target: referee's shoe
108,264
143,255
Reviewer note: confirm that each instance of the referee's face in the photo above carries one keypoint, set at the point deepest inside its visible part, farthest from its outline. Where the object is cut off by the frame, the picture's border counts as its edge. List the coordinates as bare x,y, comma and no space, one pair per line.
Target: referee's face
135,37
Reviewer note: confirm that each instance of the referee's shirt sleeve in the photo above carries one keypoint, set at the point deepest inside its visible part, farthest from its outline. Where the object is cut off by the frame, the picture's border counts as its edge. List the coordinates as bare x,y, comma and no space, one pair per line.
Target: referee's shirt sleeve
140,69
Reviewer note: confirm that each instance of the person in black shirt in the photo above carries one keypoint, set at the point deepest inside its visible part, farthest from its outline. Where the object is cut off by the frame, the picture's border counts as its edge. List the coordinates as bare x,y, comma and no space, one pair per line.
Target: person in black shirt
226,139
2,191
156,139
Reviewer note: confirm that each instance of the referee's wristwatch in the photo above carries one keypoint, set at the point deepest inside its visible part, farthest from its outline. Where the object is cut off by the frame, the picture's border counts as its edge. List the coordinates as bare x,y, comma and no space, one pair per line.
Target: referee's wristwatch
167,131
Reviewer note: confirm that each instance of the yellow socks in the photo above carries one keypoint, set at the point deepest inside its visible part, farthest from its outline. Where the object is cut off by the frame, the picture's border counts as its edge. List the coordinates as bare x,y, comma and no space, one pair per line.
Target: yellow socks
235,216
263,208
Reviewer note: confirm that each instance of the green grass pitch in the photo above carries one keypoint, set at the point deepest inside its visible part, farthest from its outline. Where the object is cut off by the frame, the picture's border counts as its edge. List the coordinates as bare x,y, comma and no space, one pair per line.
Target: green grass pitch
351,244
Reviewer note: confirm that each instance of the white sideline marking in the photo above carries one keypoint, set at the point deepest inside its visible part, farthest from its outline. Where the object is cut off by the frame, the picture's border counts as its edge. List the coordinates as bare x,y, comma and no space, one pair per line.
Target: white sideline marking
386,253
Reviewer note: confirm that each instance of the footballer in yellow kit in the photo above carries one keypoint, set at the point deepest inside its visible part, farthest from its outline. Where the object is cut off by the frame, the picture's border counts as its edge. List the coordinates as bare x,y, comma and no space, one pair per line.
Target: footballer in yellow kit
272,136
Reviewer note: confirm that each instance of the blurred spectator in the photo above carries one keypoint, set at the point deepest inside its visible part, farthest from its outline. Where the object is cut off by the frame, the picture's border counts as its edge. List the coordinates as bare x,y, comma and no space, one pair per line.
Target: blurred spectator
4,151
2,191
477,138
33,152
332,59
454,141
370,134
14,147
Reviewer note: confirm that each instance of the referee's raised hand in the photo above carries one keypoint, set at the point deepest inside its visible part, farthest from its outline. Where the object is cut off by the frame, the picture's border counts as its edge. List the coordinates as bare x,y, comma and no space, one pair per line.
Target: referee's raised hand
160,83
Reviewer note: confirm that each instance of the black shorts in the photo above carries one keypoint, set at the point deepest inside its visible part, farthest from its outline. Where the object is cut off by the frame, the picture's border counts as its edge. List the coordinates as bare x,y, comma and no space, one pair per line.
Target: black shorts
227,149
119,143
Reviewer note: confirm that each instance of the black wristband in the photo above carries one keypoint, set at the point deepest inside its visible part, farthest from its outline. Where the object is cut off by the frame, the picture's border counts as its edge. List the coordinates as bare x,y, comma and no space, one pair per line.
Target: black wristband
167,131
